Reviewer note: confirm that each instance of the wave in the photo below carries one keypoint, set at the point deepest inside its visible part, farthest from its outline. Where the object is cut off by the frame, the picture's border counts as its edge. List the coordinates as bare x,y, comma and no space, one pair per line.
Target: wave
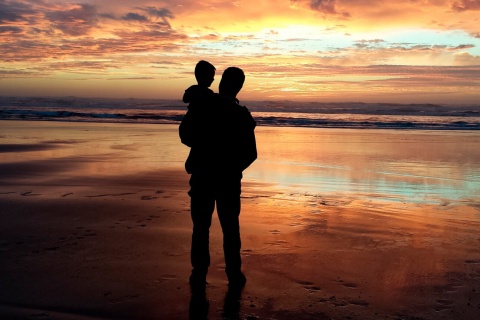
292,114
87,116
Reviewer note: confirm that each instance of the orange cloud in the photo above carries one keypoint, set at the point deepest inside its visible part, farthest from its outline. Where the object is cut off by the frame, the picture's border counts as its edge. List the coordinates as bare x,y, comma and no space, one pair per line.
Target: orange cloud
288,48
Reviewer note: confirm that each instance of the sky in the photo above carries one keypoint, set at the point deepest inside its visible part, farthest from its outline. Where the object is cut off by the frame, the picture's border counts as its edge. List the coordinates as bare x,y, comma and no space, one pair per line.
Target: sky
405,51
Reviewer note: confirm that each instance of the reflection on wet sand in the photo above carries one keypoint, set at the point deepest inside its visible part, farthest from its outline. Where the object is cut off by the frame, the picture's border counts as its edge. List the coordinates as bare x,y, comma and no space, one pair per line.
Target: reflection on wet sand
386,164
336,224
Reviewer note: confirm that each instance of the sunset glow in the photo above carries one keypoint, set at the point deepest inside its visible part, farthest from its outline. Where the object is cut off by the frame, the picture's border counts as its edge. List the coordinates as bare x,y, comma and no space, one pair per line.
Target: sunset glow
319,50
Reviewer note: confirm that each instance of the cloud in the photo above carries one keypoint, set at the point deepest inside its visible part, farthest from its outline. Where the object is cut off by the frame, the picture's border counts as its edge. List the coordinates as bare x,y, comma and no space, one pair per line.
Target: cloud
132,16
76,21
133,78
107,16
153,15
323,6
463,47
45,29
277,42
466,59
162,13
368,43
10,29
464,5
13,11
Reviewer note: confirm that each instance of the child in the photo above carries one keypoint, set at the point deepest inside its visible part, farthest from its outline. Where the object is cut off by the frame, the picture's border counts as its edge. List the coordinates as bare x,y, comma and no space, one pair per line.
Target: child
199,94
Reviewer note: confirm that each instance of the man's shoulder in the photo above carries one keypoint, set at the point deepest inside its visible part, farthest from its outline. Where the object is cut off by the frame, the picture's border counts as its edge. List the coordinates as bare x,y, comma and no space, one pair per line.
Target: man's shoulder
243,109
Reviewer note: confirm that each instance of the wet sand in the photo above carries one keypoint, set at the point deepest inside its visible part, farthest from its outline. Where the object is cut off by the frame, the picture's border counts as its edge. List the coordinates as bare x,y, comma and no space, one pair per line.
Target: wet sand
94,224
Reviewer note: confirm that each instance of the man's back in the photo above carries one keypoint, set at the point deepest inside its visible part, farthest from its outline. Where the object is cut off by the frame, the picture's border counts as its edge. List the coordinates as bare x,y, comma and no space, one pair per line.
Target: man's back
221,137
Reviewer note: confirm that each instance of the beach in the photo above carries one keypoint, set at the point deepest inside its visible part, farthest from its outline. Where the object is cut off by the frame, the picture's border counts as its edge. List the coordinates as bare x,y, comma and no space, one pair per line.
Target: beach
335,224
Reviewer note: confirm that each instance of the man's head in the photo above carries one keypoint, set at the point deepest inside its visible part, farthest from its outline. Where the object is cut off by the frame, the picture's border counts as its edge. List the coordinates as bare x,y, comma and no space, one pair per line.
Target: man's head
232,81
204,73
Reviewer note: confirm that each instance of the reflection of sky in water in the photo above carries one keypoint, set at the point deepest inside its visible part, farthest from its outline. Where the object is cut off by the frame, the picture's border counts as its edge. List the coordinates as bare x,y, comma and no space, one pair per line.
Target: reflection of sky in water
385,185
391,165
400,165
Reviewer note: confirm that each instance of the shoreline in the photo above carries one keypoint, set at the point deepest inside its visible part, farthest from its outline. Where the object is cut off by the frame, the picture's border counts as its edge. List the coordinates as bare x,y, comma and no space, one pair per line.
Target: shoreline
307,119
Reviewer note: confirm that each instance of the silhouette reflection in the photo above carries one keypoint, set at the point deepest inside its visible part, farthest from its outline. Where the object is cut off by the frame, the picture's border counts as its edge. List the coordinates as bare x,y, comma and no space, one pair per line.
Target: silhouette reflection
231,305
199,305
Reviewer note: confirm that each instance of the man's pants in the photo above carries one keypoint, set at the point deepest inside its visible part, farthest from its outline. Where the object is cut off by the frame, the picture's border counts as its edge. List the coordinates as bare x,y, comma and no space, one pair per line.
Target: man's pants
225,191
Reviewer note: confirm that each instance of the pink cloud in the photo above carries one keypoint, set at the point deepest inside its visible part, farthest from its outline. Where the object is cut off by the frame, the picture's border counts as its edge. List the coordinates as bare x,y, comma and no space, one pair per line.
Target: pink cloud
74,22
464,5
328,7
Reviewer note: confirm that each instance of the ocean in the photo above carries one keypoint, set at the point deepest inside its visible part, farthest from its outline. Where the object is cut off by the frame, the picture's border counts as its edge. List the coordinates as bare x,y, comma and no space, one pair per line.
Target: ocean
353,115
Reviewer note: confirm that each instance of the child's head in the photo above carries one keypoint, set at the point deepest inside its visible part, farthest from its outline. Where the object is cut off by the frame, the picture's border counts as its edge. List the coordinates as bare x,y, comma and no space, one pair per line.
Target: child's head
204,73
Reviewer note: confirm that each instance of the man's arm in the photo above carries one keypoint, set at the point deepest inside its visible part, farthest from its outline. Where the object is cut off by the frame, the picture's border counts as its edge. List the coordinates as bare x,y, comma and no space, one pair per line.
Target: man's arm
249,150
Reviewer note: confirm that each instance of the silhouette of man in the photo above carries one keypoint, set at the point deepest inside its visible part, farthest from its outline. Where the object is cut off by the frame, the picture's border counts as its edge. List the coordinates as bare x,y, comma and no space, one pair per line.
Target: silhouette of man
222,141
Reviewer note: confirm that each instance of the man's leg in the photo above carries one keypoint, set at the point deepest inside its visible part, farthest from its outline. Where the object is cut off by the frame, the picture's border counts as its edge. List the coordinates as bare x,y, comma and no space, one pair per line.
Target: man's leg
201,206
228,208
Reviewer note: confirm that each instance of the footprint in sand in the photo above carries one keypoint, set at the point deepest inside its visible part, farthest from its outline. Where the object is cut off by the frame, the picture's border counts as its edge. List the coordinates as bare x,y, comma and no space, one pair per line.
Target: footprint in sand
148,198
29,194
475,261
339,303
346,284
111,195
443,304
125,298
167,277
295,224
310,286
89,233
4,246
43,315
361,303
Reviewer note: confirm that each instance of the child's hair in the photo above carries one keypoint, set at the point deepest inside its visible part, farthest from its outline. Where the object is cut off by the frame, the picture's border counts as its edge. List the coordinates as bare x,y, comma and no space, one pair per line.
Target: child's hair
204,69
